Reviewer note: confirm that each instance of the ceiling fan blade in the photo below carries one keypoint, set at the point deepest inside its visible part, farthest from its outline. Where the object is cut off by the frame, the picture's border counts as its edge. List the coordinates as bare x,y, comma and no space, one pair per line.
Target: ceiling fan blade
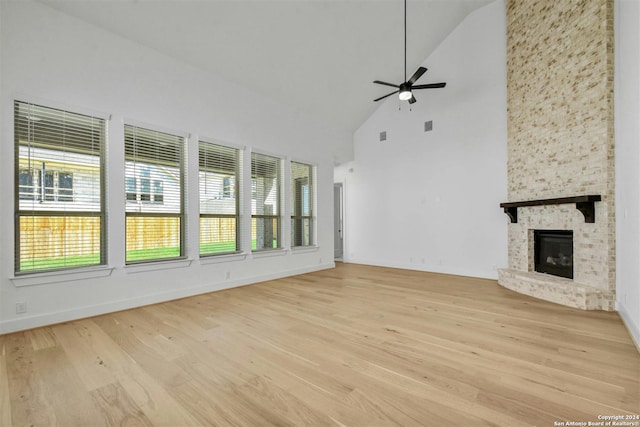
429,86
419,72
385,83
412,99
383,97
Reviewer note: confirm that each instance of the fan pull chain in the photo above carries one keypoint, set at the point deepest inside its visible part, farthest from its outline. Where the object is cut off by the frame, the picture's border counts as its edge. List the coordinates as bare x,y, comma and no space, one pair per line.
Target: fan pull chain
400,106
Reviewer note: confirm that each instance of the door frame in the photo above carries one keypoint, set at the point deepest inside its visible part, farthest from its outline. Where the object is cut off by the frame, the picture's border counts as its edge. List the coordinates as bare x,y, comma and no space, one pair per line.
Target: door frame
339,228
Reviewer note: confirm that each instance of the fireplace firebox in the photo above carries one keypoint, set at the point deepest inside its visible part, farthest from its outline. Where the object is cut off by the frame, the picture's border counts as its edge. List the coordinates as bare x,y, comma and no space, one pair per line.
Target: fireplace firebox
553,252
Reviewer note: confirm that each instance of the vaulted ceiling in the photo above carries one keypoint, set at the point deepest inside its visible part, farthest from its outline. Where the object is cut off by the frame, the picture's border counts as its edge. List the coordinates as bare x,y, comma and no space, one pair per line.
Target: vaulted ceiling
317,56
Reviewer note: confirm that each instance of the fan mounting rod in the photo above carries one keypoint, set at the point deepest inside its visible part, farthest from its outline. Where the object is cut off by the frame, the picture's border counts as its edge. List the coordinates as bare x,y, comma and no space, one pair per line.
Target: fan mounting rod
404,90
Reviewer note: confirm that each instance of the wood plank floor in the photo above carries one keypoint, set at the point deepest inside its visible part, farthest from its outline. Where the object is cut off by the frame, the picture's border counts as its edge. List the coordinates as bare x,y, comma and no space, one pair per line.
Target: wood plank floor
352,346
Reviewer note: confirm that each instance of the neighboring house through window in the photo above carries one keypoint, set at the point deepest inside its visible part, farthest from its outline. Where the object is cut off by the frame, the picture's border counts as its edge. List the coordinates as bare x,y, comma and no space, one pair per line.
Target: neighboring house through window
143,196
58,186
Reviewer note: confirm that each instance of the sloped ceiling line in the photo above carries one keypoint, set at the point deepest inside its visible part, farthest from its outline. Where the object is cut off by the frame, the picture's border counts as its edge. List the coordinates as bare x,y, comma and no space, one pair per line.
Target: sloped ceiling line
317,56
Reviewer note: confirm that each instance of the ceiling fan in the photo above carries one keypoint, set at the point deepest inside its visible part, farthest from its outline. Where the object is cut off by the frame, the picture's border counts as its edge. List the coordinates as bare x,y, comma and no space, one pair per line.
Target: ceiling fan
405,89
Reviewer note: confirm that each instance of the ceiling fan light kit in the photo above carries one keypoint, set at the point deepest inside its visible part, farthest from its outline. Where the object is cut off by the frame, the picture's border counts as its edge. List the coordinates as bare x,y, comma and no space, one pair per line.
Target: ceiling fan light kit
405,92
405,89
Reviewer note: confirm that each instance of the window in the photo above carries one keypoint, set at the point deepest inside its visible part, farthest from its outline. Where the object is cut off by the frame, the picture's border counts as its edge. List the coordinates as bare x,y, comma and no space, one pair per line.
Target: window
29,183
145,185
227,187
158,192
132,189
301,204
60,216
65,186
219,172
265,202
154,228
58,186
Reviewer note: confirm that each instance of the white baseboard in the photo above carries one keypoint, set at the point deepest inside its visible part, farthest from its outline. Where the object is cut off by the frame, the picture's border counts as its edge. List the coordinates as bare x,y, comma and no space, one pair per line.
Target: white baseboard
632,327
35,321
492,275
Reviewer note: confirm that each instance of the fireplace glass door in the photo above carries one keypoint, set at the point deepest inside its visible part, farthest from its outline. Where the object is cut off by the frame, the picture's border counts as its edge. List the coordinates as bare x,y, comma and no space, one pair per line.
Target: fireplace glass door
554,252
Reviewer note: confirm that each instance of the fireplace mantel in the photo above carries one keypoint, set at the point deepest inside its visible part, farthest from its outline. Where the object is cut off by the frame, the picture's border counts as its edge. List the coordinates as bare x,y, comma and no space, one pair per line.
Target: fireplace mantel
585,204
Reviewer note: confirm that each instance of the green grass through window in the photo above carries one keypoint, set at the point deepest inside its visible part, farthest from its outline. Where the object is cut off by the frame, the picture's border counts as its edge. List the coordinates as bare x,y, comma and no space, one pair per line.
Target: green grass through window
152,254
132,256
254,245
217,247
35,264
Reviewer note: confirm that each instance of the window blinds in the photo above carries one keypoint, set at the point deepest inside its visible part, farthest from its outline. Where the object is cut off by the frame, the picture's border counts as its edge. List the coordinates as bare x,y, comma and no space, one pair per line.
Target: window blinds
154,194
266,176
301,204
219,175
59,188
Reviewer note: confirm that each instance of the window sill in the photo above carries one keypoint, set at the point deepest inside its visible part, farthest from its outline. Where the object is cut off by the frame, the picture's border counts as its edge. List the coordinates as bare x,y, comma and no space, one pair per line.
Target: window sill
304,249
269,253
218,259
35,279
157,265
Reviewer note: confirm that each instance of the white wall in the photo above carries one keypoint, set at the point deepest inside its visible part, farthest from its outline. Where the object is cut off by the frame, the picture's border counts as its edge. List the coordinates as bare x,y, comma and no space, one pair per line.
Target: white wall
627,140
54,57
430,200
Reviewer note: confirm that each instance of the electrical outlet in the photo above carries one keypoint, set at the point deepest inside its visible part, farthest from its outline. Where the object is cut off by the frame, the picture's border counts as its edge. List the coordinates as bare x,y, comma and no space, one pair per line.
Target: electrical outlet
227,275
21,307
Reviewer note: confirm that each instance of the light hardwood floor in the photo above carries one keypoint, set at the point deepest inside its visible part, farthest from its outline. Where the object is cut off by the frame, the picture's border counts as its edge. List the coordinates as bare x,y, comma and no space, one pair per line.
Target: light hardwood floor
353,346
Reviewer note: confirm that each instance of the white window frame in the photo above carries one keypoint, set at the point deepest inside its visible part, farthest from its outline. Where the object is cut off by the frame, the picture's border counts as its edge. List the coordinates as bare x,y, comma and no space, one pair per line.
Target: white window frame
181,215
237,190
280,189
26,277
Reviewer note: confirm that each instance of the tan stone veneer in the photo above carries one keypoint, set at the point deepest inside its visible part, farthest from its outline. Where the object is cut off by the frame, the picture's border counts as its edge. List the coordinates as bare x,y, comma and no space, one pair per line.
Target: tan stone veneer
560,143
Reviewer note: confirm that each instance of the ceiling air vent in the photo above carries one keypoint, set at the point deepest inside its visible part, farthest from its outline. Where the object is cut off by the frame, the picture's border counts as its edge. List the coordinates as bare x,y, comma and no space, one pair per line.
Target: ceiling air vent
428,126
383,136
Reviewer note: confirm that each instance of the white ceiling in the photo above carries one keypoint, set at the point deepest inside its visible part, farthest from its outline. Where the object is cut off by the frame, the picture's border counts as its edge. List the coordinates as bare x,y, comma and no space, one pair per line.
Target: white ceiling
318,56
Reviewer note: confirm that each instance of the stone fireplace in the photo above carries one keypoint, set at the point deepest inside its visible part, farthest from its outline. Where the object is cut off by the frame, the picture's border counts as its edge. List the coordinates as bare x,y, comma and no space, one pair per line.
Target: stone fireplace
560,148
591,284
